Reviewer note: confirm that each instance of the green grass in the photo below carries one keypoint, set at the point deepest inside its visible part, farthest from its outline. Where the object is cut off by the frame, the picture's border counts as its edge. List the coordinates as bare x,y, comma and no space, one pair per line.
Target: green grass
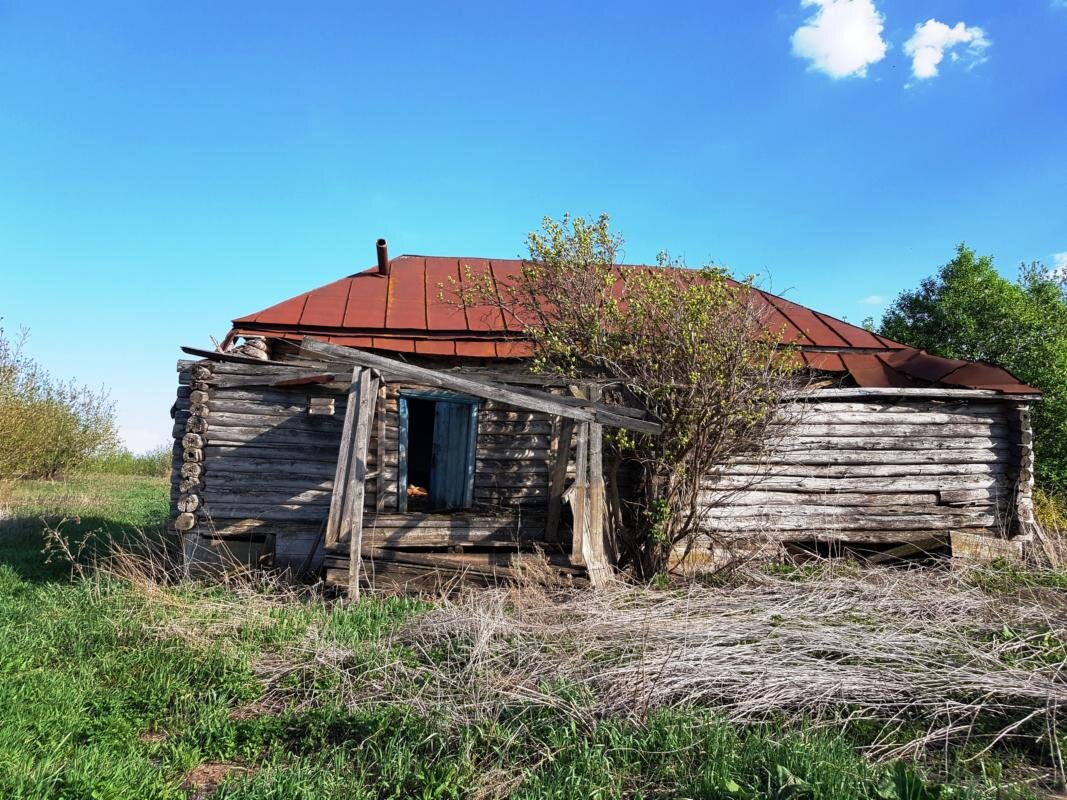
109,691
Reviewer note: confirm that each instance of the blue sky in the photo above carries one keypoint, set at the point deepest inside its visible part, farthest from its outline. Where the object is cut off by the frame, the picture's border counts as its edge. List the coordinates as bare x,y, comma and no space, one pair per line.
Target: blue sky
167,167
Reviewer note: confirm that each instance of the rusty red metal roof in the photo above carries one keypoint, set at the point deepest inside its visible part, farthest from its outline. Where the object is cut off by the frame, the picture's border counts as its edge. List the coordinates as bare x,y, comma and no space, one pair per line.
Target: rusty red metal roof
415,309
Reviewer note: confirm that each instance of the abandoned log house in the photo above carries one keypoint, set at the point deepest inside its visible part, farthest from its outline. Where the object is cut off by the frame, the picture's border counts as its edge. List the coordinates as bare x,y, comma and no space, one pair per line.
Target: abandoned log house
372,430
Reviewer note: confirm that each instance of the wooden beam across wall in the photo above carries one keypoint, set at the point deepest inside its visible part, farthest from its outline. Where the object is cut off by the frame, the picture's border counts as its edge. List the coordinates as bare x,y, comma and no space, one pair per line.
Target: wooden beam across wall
390,369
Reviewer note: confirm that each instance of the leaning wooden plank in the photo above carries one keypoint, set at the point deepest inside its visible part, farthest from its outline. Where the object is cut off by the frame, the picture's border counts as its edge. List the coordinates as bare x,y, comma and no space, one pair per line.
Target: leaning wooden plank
537,401
352,513
594,547
558,477
343,456
580,495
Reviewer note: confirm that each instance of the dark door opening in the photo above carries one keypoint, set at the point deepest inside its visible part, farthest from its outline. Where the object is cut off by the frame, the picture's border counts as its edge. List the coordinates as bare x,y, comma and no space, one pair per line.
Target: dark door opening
437,440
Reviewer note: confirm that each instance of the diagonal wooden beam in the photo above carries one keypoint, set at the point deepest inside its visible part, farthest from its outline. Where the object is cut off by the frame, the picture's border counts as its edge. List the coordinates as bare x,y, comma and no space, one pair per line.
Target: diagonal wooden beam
391,369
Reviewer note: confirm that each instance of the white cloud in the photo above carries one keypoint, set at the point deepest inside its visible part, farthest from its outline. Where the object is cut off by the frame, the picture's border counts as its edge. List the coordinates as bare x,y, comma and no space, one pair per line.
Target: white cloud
842,38
928,44
871,300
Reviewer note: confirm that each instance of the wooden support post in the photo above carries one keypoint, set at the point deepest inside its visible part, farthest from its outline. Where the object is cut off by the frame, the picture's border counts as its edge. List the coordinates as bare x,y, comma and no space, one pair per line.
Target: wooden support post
558,476
341,474
593,544
379,490
355,490
580,495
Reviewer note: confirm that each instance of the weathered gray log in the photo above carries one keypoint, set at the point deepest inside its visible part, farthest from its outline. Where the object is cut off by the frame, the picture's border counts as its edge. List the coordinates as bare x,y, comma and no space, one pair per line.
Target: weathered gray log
356,477
856,484
865,470
192,441
274,466
188,484
267,450
815,427
192,454
192,470
185,522
188,503
786,498
883,457
885,522
881,418
794,444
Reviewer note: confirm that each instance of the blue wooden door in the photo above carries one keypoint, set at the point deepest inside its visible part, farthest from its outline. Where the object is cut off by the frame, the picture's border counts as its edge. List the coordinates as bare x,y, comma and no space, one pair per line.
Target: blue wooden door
453,461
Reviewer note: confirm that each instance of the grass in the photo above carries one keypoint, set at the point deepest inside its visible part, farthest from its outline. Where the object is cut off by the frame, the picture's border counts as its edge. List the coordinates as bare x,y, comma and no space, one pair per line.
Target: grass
115,686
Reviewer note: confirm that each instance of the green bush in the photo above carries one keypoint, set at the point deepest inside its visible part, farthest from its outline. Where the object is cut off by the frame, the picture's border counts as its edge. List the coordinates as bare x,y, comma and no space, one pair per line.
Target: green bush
969,311
48,427
121,461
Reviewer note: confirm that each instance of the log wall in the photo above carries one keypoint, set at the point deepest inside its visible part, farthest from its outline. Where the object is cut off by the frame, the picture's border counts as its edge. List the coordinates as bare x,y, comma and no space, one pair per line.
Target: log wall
877,471
253,461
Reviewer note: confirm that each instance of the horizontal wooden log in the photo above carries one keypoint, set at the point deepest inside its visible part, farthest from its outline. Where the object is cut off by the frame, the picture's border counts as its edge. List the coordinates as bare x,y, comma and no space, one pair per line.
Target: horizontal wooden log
298,421
509,480
794,444
254,494
268,512
185,522
507,454
881,418
218,463
785,498
846,537
863,470
192,470
926,483
975,456
882,522
188,503
274,436
907,407
895,430
290,452
490,466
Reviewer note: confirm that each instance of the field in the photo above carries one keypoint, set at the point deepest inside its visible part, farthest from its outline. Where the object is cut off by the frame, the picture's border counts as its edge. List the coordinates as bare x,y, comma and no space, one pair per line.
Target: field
118,681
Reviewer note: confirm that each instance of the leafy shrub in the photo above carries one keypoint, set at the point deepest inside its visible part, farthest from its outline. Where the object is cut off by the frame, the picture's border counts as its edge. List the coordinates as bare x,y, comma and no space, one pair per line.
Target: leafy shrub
48,427
122,461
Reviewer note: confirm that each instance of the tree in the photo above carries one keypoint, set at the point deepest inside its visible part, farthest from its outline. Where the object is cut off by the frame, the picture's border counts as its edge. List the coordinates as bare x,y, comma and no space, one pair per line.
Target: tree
969,311
689,345
47,427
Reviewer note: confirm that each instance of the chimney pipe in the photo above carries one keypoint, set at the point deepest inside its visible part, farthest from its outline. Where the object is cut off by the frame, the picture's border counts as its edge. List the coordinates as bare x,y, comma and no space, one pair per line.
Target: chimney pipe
383,257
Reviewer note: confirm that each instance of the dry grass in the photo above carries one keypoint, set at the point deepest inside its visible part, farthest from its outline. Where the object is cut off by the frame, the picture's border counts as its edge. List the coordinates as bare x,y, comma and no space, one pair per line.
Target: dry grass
903,648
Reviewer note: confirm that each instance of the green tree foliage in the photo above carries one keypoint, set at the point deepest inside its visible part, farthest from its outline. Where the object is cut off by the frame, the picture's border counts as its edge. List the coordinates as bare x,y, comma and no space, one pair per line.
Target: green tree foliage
969,311
48,427
688,345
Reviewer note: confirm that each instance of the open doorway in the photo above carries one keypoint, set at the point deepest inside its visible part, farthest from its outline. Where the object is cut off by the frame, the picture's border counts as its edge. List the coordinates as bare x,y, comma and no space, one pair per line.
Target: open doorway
437,443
